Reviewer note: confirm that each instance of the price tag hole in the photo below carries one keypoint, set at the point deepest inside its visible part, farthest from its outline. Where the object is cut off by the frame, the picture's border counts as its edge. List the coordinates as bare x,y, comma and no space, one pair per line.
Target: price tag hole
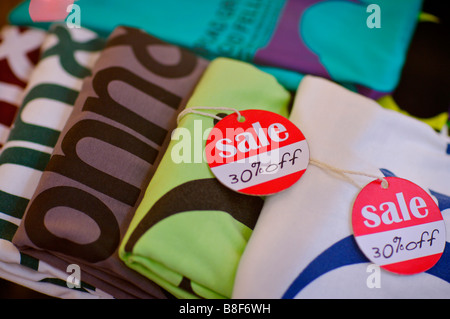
241,119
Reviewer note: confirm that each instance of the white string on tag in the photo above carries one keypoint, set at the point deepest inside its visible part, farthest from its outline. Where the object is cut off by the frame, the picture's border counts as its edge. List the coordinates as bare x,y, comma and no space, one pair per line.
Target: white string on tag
194,108
343,173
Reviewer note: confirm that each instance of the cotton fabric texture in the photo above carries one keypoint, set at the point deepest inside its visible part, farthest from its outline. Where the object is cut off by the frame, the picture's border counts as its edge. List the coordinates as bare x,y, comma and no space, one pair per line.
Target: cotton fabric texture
105,157
189,231
66,58
302,245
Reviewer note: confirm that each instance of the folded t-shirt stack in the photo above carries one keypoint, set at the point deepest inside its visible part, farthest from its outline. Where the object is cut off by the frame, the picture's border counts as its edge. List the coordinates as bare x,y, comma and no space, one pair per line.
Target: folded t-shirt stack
341,40
19,53
189,231
105,156
303,245
422,91
66,58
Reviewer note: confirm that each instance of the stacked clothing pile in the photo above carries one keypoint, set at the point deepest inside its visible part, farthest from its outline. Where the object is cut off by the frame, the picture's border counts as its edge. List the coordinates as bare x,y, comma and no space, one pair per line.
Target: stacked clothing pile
96,200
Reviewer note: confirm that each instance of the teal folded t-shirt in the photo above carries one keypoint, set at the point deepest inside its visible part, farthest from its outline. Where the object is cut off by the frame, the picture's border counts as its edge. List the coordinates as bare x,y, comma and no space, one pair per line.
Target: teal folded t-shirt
346,40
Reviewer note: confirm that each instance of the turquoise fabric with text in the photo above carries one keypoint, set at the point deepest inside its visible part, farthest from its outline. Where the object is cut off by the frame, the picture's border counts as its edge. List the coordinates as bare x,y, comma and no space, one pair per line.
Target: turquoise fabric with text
286,38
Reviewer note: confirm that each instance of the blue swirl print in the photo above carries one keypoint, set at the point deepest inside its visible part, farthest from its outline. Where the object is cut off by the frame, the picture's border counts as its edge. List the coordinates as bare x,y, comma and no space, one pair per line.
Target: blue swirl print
346,252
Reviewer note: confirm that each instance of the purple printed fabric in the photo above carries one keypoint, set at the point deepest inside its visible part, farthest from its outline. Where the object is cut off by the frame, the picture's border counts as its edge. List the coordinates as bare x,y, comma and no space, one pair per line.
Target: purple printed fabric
286,47
348,41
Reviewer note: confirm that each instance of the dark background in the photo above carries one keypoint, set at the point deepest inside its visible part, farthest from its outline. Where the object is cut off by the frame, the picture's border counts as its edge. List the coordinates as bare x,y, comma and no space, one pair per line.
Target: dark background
5,7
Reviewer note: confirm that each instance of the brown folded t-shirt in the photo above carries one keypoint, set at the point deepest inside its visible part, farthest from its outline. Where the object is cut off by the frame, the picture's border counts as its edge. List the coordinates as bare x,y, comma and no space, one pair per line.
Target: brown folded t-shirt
105,158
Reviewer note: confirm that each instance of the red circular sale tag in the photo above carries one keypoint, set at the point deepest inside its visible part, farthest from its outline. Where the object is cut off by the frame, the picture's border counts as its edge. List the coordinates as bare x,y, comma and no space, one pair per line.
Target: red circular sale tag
399,227
261,153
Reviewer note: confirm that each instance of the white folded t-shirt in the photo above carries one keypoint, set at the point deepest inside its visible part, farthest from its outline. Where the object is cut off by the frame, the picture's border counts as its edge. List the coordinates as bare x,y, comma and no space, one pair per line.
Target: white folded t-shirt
303,245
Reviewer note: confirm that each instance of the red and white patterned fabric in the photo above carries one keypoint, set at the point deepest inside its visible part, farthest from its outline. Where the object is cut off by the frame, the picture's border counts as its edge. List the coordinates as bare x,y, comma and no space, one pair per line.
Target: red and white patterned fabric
19,53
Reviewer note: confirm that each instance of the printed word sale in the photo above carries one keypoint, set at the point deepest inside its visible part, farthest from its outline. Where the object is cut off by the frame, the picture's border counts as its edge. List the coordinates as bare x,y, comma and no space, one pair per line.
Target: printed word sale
247,141
390,214
189,146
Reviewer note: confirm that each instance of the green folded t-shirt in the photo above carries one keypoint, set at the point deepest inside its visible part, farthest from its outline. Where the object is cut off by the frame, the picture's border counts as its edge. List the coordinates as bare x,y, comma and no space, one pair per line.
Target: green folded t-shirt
189,231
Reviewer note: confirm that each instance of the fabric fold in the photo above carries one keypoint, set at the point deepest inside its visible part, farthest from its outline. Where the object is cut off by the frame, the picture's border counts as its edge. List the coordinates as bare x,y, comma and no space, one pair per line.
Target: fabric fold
104,158
189,231
66,58
303,245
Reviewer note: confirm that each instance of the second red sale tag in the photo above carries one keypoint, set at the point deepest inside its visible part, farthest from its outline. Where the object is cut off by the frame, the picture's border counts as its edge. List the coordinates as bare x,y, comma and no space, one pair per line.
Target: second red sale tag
400,228
257,153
